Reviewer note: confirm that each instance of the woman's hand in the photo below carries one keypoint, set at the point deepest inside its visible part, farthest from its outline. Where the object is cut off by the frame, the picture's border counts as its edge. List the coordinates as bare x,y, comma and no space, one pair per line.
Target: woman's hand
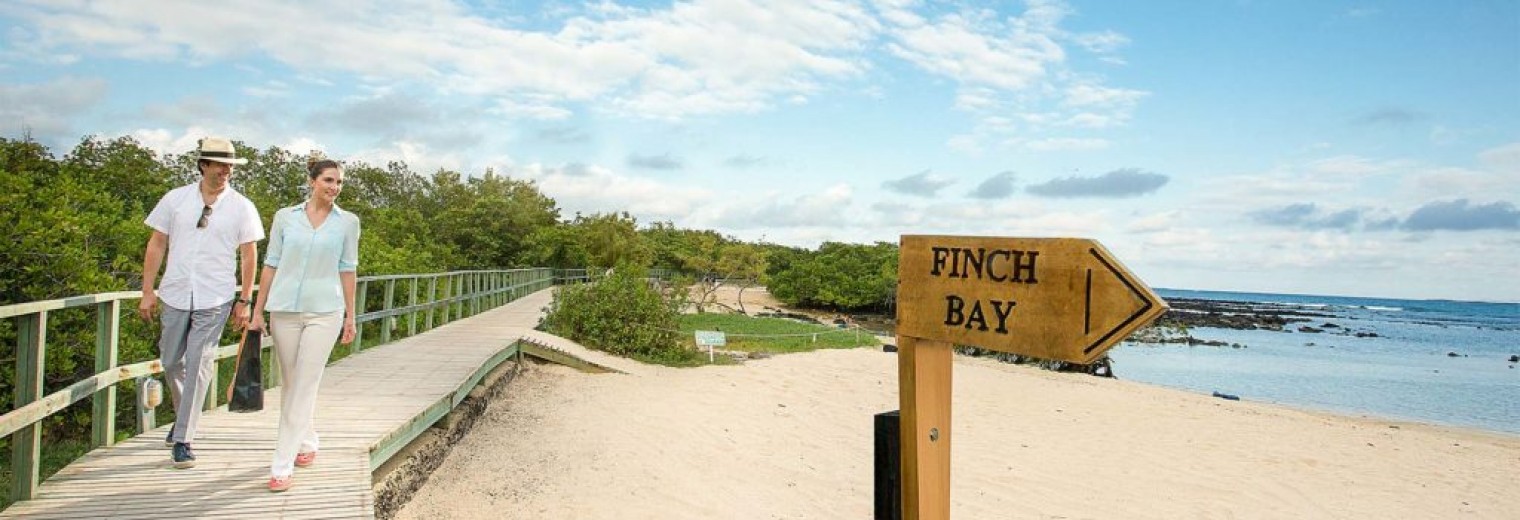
348,331
258,321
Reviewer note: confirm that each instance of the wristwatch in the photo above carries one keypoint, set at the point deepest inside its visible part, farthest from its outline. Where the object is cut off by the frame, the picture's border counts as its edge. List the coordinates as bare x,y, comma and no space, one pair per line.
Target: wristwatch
243,301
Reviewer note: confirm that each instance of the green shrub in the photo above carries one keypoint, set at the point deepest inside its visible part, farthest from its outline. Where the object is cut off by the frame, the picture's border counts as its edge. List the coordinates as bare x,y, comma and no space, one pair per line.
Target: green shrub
620,314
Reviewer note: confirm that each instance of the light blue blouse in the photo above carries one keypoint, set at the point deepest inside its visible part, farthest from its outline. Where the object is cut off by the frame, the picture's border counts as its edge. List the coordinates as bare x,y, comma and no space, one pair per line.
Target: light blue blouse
309,259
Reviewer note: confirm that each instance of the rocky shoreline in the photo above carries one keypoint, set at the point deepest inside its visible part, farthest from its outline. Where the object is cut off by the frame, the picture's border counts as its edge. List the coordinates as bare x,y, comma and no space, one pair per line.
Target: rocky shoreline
1191,313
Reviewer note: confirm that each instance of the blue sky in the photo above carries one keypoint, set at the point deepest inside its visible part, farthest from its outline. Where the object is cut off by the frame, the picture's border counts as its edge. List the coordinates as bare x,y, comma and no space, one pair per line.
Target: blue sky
1349,148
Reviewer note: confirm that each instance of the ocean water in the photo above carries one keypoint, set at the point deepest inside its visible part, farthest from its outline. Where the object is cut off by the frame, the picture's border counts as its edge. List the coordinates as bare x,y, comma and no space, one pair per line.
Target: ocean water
1405,373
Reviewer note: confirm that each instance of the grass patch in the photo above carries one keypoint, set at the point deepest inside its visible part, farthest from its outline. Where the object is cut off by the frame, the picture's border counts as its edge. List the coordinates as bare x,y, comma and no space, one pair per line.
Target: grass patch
684,358
772,335
55,455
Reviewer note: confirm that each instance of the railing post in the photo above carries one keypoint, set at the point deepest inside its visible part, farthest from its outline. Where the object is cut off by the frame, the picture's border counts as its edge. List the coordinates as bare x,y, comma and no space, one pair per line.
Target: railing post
103,404
213,385
475,293
385,323
359,306
26,443
432,299
411,303
459,296
445,286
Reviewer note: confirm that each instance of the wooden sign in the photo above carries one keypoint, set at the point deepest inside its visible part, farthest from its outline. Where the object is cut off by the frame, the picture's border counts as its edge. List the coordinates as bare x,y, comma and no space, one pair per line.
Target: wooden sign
1066,299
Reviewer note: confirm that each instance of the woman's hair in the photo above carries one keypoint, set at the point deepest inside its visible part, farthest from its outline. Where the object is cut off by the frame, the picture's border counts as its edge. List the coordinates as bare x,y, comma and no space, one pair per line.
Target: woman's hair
317,163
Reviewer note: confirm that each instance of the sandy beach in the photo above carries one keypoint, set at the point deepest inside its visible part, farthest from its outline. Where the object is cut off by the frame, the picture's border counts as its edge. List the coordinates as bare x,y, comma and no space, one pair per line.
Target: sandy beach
791,437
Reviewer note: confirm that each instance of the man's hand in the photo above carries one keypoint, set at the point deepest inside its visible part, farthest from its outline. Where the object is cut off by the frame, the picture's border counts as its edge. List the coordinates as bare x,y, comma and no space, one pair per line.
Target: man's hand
239,315
148,307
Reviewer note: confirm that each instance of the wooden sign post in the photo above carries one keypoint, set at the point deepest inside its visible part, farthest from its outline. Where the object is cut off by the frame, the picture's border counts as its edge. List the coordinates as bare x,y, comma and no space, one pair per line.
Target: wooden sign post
1056,298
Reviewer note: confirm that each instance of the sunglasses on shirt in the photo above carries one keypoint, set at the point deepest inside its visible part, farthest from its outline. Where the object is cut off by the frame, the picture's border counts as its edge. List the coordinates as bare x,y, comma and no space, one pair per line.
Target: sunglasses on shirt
205,214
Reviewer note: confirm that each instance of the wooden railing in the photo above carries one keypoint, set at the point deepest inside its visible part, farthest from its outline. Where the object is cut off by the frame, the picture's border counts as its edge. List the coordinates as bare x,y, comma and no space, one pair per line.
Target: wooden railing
448,296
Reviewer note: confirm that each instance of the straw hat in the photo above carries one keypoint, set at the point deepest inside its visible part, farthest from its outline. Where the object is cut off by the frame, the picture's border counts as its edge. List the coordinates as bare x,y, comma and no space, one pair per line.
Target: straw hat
219,150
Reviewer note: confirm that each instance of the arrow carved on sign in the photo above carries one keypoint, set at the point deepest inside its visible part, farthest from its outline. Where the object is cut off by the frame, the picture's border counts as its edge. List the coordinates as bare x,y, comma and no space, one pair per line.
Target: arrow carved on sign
1087,308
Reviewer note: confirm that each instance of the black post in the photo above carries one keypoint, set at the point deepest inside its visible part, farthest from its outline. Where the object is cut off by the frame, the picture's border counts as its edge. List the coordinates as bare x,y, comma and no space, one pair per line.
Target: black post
888,469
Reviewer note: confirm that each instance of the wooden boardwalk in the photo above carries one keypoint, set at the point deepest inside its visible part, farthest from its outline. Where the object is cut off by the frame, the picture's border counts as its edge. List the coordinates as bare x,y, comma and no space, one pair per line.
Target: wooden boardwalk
367,402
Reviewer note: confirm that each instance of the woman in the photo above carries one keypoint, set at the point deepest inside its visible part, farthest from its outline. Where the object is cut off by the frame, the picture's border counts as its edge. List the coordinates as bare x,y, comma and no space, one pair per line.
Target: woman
308,288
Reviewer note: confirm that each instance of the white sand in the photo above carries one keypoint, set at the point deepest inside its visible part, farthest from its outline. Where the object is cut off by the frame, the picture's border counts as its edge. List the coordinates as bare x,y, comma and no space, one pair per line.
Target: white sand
791,437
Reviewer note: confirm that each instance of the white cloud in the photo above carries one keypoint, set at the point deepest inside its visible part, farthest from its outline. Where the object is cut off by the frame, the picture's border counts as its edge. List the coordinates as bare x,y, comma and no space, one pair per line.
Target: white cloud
1352,166
1341,176
1058,144
272,88
700,57
820,209
1104,44
1091,120
1154,223
977,99
1504,160
1085,95
1455,183
164,141
1013,66
542,110
46,110
418,156
975,49
597,189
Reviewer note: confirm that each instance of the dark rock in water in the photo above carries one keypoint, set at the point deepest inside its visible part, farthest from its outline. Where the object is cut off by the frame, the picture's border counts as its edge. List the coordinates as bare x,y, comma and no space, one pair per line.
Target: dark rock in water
888,347
1366,334
1309,329
1453,354
1514,358
1309,344
1231,397
1329,325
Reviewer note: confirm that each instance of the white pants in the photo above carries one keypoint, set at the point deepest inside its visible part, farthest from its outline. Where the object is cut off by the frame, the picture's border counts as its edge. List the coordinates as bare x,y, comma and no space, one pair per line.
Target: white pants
302,343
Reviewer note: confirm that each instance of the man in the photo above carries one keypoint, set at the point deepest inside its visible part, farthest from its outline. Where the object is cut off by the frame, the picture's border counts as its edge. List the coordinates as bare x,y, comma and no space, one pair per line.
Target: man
205,227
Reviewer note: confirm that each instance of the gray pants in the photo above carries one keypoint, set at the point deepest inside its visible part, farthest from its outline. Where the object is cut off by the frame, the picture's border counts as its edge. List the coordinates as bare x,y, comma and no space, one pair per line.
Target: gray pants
187,349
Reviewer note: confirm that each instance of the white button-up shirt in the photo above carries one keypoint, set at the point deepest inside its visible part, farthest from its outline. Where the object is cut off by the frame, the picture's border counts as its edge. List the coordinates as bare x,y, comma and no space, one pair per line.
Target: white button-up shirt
201,268
308,259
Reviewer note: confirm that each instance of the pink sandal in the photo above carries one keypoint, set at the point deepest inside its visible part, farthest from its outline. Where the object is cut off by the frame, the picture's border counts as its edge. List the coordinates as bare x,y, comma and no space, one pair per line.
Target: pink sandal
278,484
305,459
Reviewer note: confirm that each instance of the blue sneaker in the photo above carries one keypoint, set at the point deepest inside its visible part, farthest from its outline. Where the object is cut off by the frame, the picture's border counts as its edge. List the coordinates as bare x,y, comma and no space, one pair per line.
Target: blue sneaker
183,457
169,439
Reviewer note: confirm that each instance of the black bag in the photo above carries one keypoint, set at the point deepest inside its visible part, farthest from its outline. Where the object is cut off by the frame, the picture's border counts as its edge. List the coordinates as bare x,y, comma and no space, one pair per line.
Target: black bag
247,391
